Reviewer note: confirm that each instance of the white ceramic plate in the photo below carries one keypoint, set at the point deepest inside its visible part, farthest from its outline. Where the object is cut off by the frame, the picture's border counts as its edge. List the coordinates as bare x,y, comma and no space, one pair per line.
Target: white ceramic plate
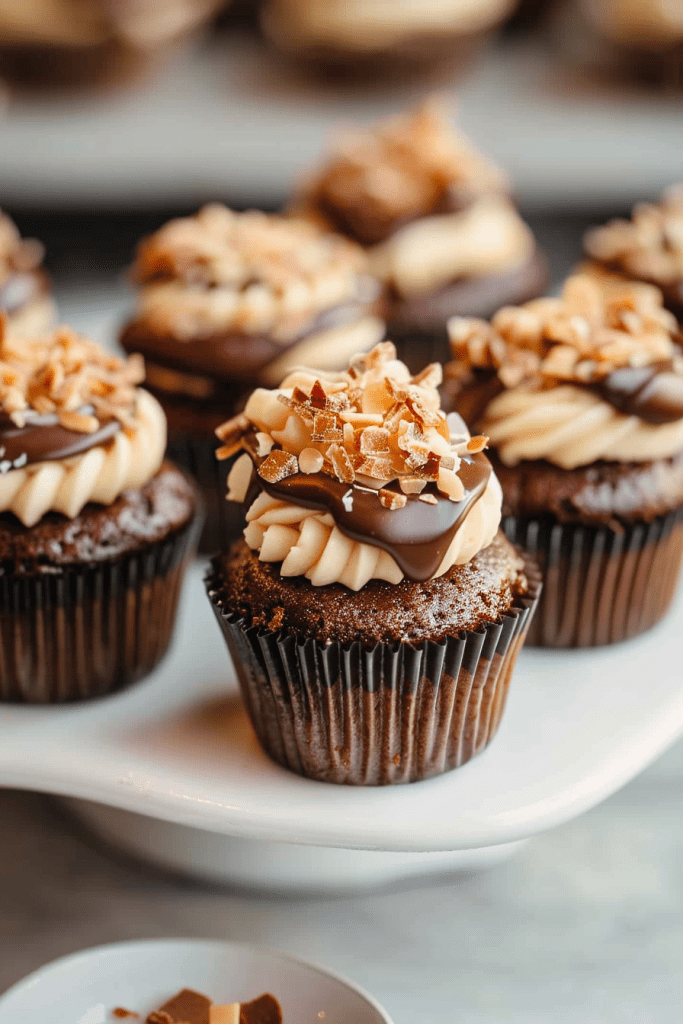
141,976
229,123
179,747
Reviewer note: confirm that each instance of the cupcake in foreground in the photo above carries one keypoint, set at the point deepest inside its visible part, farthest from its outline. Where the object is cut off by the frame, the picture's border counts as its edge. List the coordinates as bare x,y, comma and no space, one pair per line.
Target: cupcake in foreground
582,399
228,301
95,528
648,247
437,218
373,611
85,42
25,293
380,38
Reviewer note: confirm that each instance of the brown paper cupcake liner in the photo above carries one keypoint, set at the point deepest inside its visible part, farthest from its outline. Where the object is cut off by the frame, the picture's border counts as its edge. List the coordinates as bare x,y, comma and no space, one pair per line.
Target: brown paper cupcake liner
600,585
91,630
380,715
224,520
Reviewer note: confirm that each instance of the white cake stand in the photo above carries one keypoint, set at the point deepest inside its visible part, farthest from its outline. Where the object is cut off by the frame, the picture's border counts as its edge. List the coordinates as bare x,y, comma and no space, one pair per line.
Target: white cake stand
178,752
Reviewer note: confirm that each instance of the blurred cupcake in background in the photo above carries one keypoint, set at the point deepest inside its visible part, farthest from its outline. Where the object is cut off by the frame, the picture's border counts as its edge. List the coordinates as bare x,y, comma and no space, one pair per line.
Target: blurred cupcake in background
373,611
25,291
72,43
380,38
582,399
228,301
640,40
648,247
438,222
95,528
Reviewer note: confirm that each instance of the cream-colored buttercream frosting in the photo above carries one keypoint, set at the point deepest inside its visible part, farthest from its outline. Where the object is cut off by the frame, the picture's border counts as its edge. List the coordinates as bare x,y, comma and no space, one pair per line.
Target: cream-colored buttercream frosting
100,475
488,237
435,208
549,352
254,273
369,427
64,389
637,22
369,25
84,23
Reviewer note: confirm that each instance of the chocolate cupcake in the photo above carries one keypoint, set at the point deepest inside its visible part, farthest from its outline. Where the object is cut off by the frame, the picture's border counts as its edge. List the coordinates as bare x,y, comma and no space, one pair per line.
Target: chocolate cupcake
640,41
373,611
582,398
437,218
95,529
229,301
379,39
648,247
25,292
76,43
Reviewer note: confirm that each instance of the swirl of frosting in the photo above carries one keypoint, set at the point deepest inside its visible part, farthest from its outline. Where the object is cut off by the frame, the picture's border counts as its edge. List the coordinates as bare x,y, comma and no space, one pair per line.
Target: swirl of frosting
99,475
594,374
360,475
247,273
74,427
369,25
573,427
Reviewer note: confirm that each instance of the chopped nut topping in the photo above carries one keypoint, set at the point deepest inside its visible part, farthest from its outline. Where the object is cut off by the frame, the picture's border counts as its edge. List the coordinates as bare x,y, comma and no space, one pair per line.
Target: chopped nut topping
397,170
410,441
391,499
595,327
649,247
70,377
278,466
311,461
254,271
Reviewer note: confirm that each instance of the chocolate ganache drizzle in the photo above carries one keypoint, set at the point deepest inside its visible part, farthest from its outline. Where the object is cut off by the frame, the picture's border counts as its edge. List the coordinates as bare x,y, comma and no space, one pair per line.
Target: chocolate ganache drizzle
43,439
417,536
653,393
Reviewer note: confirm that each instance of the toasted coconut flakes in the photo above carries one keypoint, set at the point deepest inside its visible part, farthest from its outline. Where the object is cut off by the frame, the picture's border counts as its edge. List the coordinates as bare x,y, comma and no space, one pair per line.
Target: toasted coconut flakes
391,499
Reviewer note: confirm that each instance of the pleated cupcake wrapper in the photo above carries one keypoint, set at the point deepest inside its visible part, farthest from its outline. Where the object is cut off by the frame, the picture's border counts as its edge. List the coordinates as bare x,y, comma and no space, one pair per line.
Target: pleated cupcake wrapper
87,631
600,585
224,519
373,716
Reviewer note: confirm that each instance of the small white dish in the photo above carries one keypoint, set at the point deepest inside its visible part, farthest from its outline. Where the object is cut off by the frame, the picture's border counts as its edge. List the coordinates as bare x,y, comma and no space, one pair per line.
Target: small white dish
141,976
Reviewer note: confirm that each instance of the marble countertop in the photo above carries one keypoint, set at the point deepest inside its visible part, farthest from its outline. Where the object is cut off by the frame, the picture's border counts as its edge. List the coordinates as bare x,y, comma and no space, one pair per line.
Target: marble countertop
583,926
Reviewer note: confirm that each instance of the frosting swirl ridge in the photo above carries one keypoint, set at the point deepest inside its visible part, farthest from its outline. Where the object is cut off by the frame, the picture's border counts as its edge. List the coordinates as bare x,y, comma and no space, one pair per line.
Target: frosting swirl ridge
594,374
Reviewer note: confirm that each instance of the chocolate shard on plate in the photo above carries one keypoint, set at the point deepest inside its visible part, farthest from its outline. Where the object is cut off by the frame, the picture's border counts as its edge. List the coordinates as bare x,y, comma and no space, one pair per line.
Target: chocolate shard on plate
264,1010
187,1007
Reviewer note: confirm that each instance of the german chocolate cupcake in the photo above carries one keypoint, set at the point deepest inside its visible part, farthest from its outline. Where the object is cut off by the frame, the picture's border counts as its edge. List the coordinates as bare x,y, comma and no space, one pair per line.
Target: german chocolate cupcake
437,219
25,292
636,40
80,43
228,301
95,529
582,398
373,611
648,247
381,39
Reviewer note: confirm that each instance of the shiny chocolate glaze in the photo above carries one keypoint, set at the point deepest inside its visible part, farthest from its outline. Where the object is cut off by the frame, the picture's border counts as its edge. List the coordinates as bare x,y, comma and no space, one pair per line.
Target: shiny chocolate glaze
44,440
236,355
653,393
417,536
